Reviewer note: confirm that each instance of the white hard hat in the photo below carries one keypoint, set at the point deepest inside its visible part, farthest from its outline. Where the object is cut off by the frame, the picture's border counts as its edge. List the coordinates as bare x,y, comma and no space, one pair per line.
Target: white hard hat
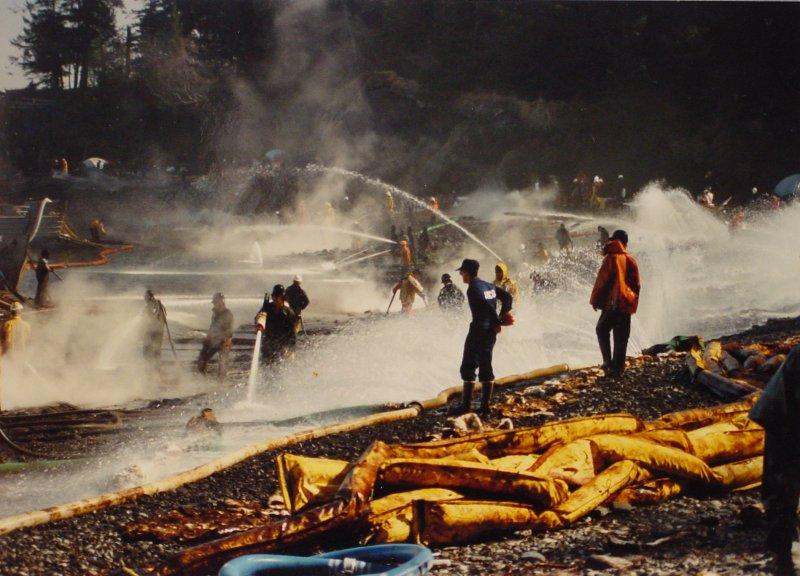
298,278
17,307
755,190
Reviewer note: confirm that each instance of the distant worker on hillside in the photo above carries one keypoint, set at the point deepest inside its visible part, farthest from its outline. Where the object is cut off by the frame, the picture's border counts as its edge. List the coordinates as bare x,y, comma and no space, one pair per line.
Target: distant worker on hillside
357,241
43,272
596,200
564,239
616,295
450,299
482,336
219,338
329,215
503,280
97,229
620,191
425,243
433,204
409,288
706,198
297,299
406,257
277,321
390,204
155,317
778,411
541,255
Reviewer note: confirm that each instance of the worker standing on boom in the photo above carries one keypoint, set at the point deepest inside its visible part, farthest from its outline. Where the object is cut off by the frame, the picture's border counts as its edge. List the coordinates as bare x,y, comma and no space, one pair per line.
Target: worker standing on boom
155,317
482,297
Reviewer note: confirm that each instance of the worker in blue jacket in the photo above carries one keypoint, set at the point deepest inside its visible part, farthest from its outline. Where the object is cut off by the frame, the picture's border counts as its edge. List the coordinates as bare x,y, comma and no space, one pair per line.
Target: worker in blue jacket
486,323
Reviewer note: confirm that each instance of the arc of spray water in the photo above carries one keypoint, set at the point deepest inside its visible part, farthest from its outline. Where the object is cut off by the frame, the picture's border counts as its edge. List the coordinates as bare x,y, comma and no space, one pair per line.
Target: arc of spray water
409,197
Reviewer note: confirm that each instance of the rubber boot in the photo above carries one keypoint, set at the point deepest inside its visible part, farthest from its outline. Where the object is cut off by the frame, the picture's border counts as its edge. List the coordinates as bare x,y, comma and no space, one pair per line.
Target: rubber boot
487,389
466,400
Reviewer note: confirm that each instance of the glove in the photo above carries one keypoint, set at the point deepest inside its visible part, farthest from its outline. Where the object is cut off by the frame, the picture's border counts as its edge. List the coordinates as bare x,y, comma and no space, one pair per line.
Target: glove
507,319
497,329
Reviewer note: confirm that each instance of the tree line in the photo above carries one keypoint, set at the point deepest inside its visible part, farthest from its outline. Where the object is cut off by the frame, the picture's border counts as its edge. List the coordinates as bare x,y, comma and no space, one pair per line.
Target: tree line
666,89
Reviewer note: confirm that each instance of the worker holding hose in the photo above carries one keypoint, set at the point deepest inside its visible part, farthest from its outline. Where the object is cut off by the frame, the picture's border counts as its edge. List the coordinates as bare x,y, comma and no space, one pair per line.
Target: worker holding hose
409,288
482,297
277,322
155,318
43,271
219,338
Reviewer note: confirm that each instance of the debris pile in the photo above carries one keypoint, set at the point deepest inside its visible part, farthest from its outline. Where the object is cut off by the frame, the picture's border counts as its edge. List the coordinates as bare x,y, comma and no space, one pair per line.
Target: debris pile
461,489
734,369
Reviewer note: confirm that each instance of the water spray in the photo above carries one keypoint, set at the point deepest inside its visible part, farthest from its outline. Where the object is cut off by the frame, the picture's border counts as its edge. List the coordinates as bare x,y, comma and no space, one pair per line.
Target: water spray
363,258
316,168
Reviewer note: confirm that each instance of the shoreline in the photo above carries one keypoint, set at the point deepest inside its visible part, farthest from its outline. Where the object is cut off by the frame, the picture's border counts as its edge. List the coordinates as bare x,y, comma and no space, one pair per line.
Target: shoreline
95,543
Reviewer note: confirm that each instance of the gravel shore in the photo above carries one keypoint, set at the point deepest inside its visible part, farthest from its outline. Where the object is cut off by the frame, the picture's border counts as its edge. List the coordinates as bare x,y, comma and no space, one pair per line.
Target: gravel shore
699,534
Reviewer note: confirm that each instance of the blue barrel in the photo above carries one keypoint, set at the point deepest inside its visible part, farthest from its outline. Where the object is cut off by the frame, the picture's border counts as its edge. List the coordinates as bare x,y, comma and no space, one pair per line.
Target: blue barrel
381,560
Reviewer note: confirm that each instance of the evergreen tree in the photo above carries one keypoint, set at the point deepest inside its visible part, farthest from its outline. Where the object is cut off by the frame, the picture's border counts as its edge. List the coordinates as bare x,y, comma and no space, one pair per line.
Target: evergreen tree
91,30
42,42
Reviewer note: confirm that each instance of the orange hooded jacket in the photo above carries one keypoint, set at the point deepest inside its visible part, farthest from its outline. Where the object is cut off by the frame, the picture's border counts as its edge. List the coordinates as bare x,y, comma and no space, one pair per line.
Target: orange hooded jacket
618,284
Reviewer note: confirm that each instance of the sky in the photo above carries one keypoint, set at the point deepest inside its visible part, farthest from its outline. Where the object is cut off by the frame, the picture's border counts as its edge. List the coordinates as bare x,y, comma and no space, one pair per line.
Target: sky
10,27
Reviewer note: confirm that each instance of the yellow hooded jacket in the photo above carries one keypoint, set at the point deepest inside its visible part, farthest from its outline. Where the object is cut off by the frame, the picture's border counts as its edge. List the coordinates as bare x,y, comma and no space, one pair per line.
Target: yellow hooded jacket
506,283
14,335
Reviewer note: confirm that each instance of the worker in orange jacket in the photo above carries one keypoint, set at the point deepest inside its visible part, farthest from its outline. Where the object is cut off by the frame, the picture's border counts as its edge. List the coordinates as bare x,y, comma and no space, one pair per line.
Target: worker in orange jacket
616,294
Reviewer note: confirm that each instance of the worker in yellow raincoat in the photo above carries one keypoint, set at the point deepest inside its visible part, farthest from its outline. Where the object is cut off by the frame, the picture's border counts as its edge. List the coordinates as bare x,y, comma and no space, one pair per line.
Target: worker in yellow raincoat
504,281
409,288
14,334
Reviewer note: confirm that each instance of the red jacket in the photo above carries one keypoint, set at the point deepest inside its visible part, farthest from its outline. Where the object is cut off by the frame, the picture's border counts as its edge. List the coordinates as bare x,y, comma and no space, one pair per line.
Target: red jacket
618,284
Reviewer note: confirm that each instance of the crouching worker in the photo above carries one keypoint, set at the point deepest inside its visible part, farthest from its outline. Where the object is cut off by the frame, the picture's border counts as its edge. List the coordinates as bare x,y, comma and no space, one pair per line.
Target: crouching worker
482,297
219,338
778,411
204,423
277,322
